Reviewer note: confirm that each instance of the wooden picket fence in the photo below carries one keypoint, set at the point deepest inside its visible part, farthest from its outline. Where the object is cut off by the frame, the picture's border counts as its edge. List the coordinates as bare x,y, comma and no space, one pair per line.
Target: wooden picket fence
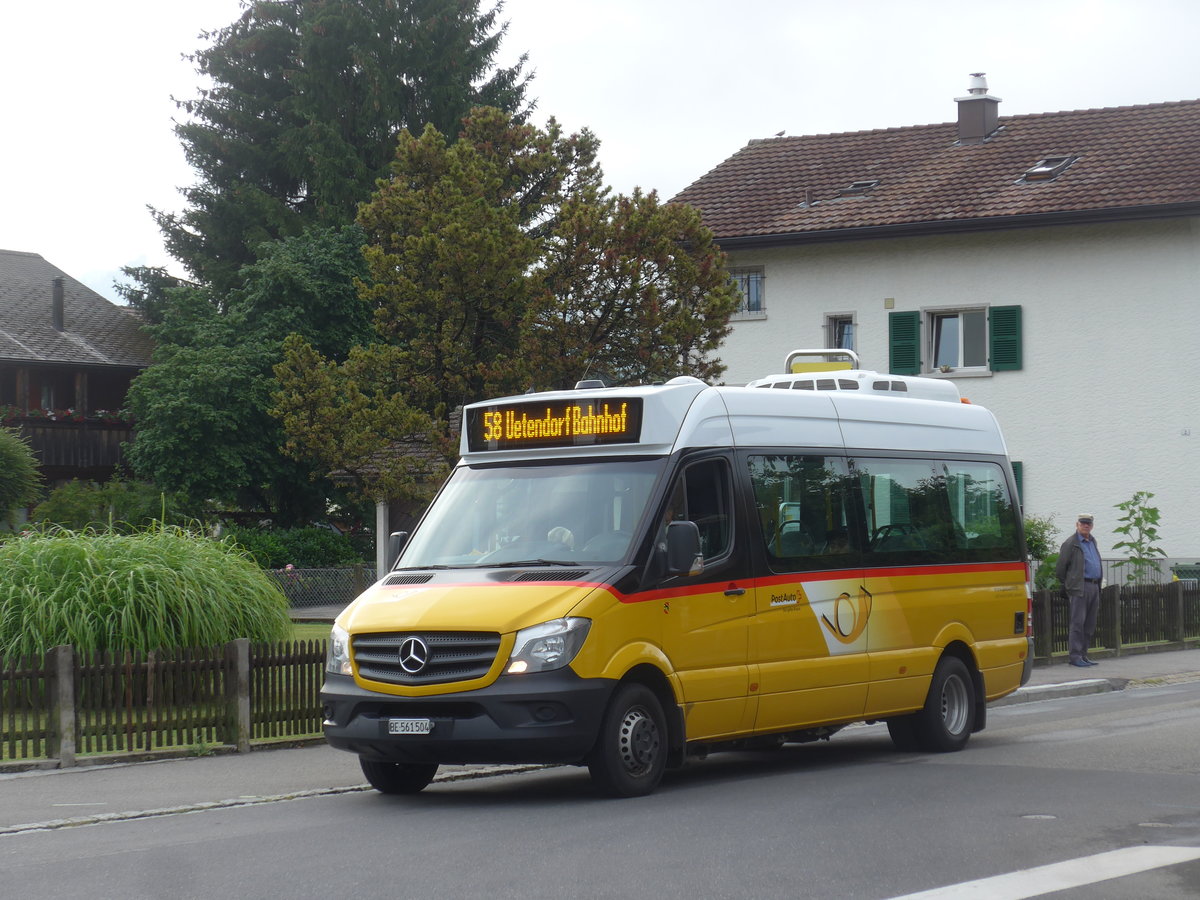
1131,619
66,703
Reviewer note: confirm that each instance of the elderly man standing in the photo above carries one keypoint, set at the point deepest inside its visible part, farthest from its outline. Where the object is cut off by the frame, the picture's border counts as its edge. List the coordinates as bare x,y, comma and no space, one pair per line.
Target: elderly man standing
1079,571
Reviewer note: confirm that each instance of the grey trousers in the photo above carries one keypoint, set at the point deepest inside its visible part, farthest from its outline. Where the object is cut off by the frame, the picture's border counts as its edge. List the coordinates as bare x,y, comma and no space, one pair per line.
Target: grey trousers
1084,607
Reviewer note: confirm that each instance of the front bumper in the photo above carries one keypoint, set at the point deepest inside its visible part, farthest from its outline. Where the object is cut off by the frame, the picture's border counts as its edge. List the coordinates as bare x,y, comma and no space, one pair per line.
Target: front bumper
547,717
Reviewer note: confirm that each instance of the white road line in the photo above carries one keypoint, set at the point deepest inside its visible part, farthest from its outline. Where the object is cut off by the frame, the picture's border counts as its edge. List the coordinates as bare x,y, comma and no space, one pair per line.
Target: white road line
1062,876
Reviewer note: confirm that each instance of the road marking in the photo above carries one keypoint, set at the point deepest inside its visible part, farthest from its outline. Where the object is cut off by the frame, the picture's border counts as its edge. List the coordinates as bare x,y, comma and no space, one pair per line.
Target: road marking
1062,876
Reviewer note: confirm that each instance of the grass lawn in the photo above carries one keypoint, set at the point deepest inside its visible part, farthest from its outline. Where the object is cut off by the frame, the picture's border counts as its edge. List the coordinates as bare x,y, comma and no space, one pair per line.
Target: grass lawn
310,631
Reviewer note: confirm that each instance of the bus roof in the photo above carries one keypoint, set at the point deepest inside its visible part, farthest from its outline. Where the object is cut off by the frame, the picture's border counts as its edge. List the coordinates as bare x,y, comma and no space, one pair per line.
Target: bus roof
863,410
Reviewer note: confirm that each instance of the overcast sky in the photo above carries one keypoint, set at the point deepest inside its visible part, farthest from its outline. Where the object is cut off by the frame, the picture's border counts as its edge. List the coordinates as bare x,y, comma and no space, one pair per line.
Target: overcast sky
671,88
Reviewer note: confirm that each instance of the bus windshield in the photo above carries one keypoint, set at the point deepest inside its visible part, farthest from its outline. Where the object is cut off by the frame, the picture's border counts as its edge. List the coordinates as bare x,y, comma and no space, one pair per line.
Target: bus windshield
568,513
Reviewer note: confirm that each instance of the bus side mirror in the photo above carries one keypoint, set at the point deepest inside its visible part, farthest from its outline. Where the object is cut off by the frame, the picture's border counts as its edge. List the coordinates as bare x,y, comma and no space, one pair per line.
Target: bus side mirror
683,549
396,542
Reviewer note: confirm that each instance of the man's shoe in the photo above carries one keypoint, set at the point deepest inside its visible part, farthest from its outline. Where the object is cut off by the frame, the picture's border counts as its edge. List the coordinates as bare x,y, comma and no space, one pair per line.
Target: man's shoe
1078,663
1090,661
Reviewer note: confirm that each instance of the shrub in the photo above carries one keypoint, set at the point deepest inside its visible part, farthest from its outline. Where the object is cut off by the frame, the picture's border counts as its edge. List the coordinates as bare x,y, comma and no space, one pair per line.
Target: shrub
304,548
125,506
264,546
1046,579
164,587
316,548
20,482
1041,537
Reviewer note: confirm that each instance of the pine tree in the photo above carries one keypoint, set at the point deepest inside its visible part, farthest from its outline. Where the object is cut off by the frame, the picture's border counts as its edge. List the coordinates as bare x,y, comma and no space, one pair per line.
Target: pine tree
306,102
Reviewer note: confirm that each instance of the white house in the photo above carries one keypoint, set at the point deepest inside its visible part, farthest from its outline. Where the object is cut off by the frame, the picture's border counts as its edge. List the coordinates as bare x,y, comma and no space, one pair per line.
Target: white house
1049,264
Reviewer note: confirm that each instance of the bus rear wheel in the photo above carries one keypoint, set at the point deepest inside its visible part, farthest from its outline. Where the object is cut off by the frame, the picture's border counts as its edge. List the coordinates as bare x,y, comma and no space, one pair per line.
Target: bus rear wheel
397,778
948,718
631,751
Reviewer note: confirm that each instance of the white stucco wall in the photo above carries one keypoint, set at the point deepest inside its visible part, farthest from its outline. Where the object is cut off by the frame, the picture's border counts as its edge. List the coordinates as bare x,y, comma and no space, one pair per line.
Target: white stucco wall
1108,400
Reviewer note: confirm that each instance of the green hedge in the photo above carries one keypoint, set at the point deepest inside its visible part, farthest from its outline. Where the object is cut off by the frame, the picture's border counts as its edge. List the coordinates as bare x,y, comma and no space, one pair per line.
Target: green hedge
304,548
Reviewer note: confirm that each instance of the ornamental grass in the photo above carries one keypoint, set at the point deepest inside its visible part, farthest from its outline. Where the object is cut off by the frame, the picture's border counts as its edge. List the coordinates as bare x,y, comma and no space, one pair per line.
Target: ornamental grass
158,588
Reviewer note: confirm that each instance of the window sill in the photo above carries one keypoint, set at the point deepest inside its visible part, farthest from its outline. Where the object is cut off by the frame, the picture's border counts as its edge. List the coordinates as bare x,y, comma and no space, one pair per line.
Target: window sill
959,373
748,316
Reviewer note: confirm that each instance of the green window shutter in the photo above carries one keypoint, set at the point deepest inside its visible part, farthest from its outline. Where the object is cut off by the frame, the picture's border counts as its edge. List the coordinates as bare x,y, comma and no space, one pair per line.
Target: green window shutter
904,343
1019,477
1004,335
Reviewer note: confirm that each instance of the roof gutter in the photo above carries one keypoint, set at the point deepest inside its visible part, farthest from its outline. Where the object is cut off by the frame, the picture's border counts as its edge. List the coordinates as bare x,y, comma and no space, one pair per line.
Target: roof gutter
962,226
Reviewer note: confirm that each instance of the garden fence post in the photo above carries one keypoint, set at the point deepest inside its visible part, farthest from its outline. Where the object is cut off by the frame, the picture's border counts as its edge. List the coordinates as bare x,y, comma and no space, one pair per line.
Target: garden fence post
1117,602
237,694
1046,626
60,742
1180,633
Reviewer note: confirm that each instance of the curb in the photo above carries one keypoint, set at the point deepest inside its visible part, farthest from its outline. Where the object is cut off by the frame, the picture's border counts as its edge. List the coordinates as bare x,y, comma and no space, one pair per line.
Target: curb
1079,688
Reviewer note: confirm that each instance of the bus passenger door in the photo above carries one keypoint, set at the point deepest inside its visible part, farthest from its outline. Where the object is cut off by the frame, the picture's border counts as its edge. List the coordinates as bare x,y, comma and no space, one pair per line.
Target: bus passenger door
706,616
808,640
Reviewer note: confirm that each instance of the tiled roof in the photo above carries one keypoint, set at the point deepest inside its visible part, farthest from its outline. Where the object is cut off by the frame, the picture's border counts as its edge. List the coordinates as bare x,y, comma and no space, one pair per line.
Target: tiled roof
1129,158
96,332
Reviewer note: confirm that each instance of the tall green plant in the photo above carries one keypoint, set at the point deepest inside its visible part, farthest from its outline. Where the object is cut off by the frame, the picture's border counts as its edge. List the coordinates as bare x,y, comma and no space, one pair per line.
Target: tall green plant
20,481
1139,525
164,587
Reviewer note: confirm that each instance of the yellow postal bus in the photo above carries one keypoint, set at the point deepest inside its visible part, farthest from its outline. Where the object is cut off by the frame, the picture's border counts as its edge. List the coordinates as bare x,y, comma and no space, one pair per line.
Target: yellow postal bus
623,577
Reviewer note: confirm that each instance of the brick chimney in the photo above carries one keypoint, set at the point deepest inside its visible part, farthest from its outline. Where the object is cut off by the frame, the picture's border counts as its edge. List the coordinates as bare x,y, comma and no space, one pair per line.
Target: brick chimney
978,112
59,315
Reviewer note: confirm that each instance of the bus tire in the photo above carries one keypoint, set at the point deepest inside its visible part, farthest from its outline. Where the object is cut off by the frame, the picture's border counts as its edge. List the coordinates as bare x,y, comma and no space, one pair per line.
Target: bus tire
631,749
903,733
397,778
948,718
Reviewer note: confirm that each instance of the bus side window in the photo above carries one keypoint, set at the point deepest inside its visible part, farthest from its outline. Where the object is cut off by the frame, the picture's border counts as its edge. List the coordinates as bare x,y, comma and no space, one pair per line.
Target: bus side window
702,495
907,512
801,503
985,518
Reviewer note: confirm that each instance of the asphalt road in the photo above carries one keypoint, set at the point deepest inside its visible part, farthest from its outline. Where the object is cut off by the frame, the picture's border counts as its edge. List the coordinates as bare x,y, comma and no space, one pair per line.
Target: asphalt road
1049,784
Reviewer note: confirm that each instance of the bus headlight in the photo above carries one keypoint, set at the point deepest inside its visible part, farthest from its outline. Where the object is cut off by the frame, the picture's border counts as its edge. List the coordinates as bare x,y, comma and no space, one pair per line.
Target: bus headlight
337,660
549,646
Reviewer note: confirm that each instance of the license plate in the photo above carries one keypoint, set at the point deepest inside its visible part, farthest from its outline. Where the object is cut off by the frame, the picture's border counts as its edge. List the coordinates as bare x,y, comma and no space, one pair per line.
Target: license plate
410,726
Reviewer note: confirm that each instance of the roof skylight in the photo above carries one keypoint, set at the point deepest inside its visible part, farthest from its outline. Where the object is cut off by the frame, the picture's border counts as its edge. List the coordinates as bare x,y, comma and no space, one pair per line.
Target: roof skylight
1048,168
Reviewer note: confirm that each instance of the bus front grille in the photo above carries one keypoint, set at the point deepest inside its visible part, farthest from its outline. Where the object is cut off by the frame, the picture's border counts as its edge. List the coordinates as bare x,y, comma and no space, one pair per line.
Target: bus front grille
425,657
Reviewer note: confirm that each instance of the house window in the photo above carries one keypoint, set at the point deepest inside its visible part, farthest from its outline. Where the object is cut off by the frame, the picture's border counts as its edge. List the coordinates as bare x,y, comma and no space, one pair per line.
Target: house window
979,340
751,284
959,339
840,333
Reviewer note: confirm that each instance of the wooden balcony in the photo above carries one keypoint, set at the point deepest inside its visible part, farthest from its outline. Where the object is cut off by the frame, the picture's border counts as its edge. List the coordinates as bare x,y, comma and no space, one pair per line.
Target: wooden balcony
90,449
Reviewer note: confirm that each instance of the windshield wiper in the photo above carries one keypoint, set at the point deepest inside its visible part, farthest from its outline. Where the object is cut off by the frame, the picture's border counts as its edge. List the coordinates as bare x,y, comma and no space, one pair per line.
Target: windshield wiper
532,562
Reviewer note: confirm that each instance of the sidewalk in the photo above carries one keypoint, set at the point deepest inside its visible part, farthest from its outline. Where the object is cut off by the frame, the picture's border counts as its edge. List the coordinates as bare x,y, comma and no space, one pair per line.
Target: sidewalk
1110,674
57,798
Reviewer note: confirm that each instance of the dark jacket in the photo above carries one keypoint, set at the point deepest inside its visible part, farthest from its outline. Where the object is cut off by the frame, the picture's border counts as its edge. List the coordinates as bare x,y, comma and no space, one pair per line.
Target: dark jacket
1069,567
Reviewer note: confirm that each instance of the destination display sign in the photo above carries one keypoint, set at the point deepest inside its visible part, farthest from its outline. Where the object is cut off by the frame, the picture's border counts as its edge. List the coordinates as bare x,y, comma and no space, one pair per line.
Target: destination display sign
557,423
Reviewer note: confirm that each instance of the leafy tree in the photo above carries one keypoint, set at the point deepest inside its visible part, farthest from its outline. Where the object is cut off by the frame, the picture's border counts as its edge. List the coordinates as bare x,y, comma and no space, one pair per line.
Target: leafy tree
499,262
203,425
1140,527
631,290
20,481
306,101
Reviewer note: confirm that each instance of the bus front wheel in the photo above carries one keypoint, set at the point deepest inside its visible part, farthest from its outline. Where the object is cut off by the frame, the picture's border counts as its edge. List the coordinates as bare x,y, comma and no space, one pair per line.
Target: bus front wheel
631,751
397,778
